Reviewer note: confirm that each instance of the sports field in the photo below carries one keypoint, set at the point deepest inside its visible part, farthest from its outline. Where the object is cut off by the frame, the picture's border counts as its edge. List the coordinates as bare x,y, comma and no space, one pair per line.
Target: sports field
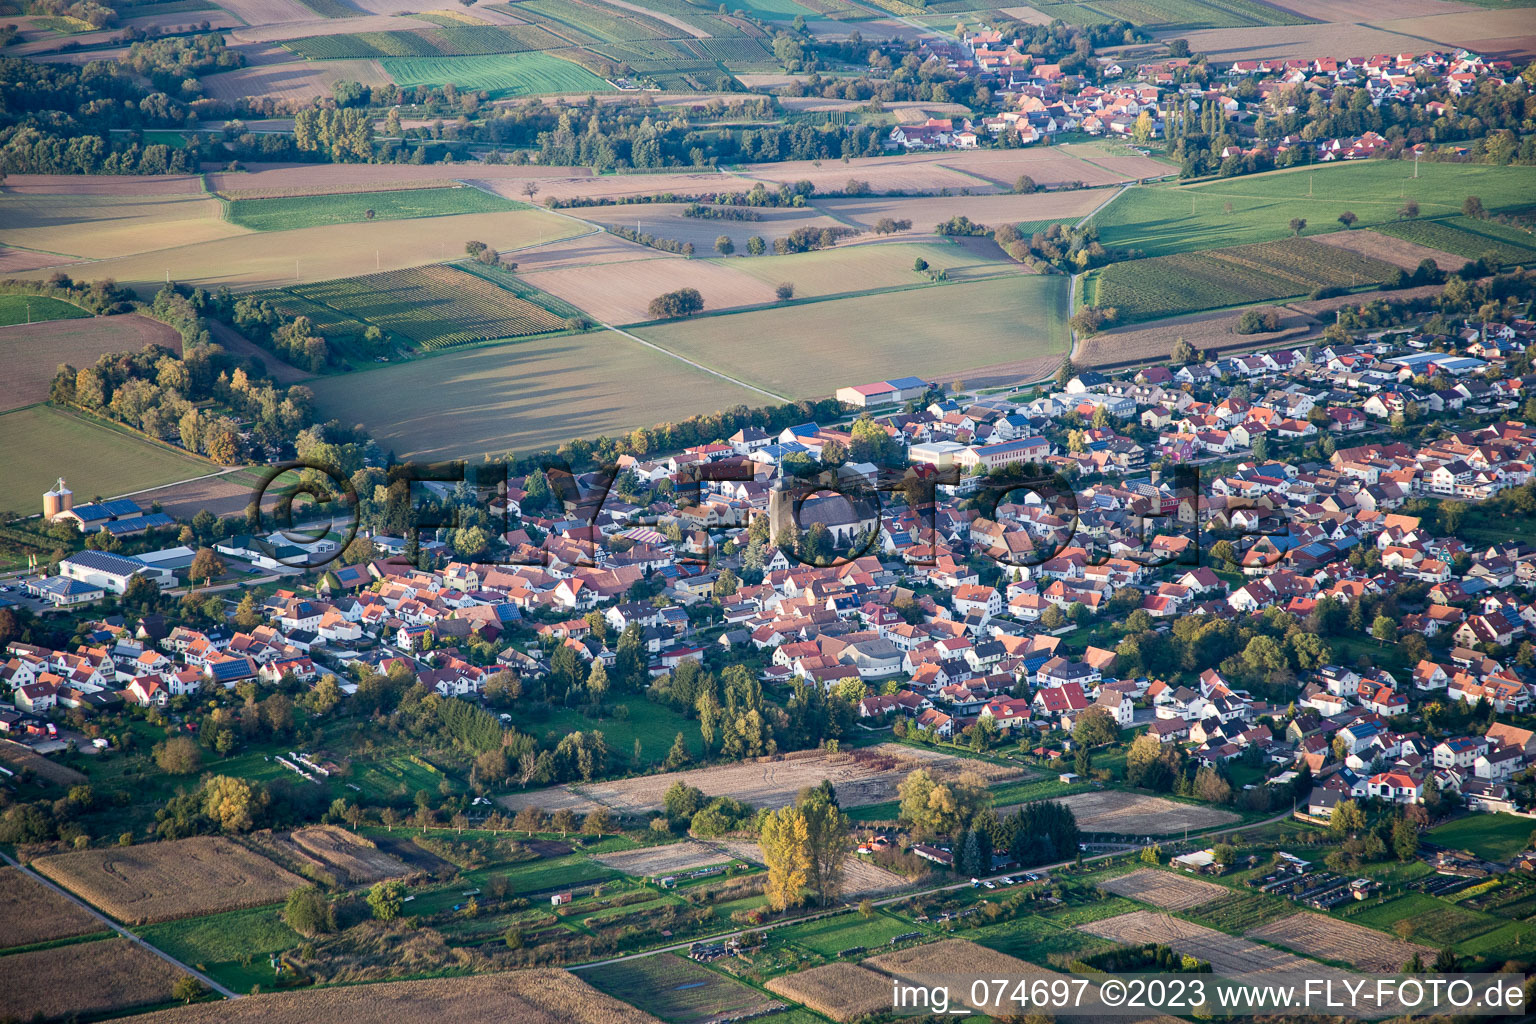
39,444
1161,220
523,397
34,309
310,211
273,259
805,350
506,74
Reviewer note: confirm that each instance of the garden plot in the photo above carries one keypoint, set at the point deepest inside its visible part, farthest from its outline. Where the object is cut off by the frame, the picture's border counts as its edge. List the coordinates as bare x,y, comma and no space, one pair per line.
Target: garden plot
32,912
954,963
1110,810
654,861
868,776
1165,889
332,850
1329,939
841,991
166,881
678,991
861,876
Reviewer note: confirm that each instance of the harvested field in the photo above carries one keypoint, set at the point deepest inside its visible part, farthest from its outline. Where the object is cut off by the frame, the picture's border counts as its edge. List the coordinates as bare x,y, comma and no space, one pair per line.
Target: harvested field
298,80
1504,33
954,963
1295,42
540,996
841,991
15,755
926,211
137,186
104,226
1110,810
928,172
666,220
855,268
809,349
1397,251
268,12
31,353
861,876
525,397
1325,307
1329,939
678,991
1165,889
1211,333
1356,11
221,495
666,860
358,860
866,776
32,912
94,978
583,251
268,259
1225,953
618,293
15,260
166,881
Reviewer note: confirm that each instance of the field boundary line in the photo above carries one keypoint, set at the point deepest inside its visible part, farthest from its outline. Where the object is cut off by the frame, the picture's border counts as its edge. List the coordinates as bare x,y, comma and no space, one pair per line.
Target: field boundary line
124,932
697,366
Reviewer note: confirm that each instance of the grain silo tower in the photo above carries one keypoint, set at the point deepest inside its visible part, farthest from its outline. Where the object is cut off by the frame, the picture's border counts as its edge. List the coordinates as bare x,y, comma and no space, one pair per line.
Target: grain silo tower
60,499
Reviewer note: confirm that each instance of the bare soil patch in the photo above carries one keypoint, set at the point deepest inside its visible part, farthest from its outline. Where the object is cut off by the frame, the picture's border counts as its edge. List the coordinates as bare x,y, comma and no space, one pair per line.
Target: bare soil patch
1111,810
1396,251
1211,333
1330,939
666,220
269,12
666,860
1164,889
239,345
1325,307
221,495
32,912
31,353
618,293
841,991
12,260
1506,32
16,757
133,185
865,776
1295,42
540,996
166,881
333,849
954,963
1225,953
1354,11
925,212
300,80
84,978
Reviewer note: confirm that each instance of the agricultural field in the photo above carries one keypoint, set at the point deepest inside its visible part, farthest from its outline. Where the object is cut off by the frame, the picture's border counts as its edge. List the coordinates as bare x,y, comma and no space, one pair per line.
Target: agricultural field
667,220
675,990
39,444
444,41
1327,938
858,268
296,80
1185,282
1467,238
1396,251
653,861
860,777
1163,220
842,991
433,307
524,397
233,948
84,978
170,880
311,211
105,226
331,852
502,75
1165,889
947,963
1226,954
1491,836
927,211
275,259
831,935
1211,333
36,309
31,354
1016,322
539,996
1435,921
34,913
1111,810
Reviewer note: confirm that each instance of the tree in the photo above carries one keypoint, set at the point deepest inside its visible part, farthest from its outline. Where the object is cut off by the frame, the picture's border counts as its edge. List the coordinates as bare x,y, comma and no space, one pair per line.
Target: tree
529,819
827,843
1142,129
358,551
785,291
1472,206
678,755
1211,787
308,912
1452,513
386,899
724,246
919,265
1348,218
1408,210
785,843
1025,185
598,823
756,246
1184,352
179,755
671,305
563,821
205,565
186,989
1346,817
229,802
1384,629
1095,727
1298,225
1405,839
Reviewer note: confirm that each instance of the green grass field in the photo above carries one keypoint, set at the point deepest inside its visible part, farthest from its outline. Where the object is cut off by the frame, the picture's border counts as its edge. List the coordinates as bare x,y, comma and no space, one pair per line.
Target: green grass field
1163,219
233,948
676,990
652,724
1463,236
515,74
1438,923
1491,836
34,309
832,935
311,211
39,444
812,349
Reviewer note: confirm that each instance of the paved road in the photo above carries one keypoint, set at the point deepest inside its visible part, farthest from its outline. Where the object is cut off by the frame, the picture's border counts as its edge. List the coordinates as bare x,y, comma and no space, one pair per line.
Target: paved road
125,933
899,897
